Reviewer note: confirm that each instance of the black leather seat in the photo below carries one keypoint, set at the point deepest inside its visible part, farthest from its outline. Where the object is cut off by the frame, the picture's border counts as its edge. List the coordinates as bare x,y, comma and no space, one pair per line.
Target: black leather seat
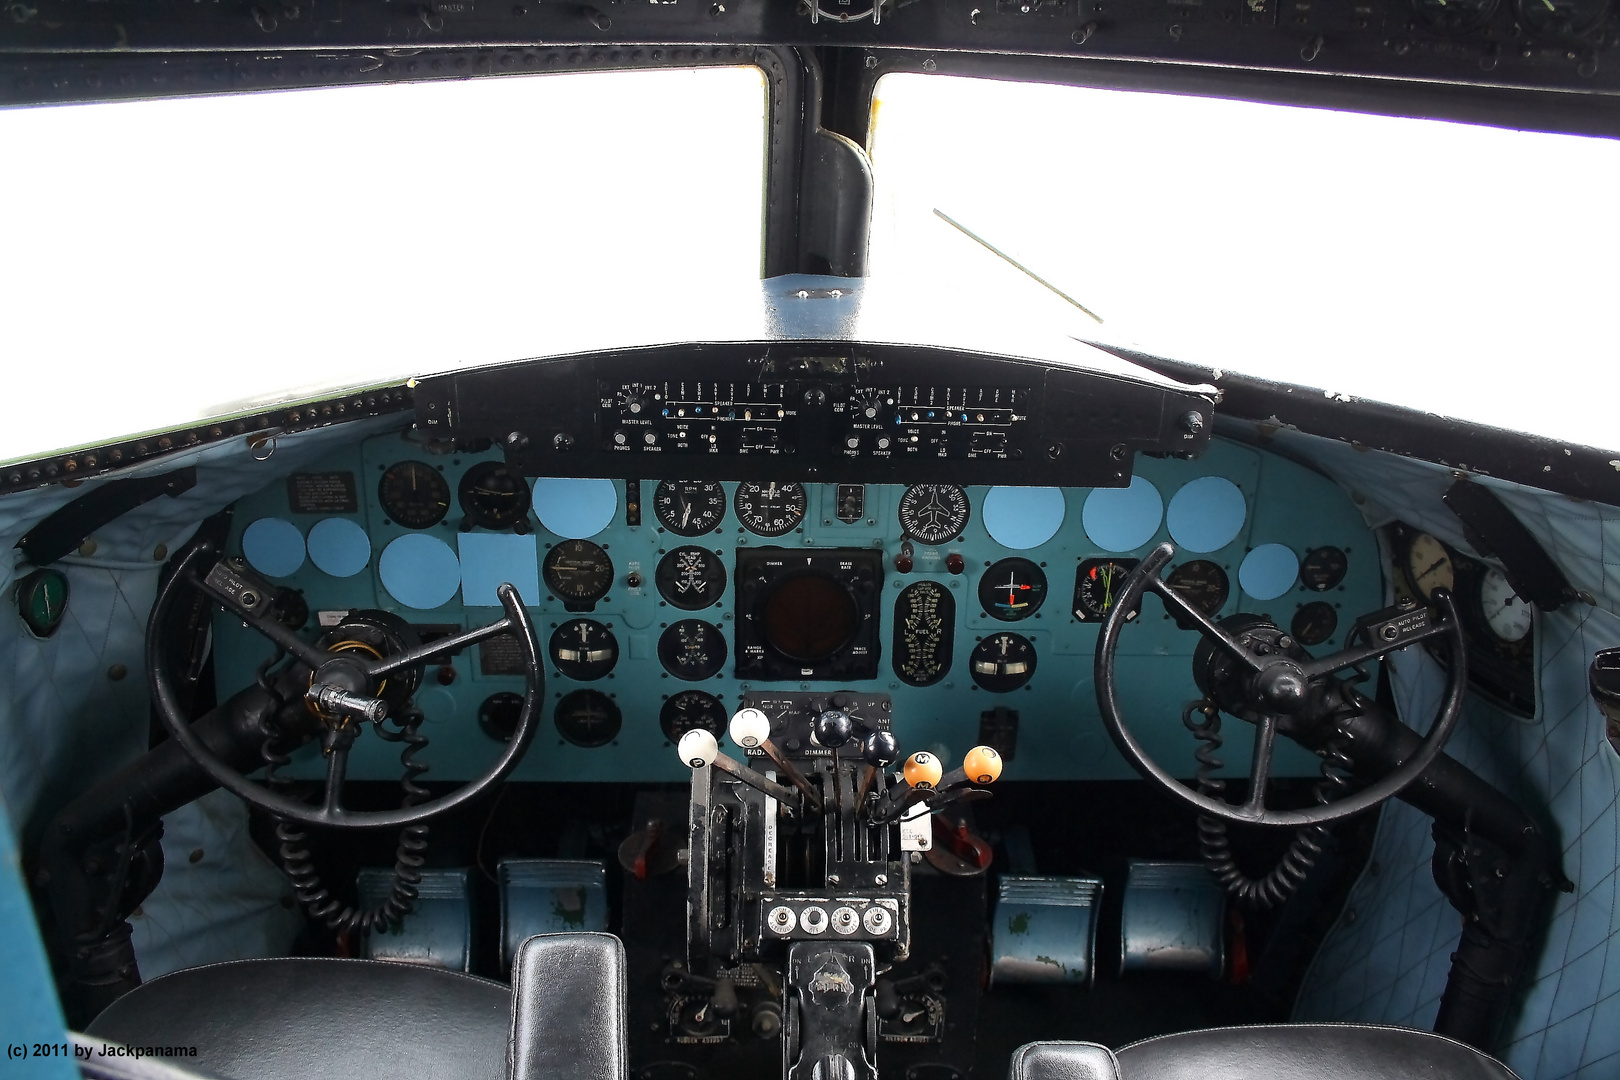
290,1018
1265,1052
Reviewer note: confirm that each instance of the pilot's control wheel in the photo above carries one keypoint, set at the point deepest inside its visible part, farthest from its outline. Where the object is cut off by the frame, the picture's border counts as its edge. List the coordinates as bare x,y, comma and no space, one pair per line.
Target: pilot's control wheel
1276,689
348,687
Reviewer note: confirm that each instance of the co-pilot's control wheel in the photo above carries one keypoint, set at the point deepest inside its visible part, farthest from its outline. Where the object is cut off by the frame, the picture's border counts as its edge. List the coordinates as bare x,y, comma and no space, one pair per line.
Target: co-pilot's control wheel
1279,690
349,687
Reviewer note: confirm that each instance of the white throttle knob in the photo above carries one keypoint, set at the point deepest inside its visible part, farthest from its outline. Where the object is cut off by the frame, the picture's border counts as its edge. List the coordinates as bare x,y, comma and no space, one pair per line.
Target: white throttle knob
750,728
698,748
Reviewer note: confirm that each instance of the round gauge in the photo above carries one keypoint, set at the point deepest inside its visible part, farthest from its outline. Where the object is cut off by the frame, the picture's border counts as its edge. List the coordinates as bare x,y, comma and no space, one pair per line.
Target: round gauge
584,649
290,608
691,577
1507,616
690,710
1563,18
499,715
1323,568
1202,584
1002,662
42,599
689,507
770,509
493,496
934,513
1012,589
414,494
1314,623
578,571
692,650
588,718
1097,583
1428,565
1454,16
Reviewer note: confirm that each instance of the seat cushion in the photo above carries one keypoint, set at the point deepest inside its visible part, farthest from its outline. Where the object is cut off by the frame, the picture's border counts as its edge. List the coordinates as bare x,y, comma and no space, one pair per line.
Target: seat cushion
300,1017
1063,1061
1307,1052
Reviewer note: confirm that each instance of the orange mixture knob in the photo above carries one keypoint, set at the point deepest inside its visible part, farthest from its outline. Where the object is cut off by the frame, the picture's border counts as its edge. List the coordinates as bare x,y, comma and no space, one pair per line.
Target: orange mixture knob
982,765
922,770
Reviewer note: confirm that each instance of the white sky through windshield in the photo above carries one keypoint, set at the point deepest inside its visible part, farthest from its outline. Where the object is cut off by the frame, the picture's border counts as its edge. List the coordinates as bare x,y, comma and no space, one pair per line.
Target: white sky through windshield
1455,269
167,260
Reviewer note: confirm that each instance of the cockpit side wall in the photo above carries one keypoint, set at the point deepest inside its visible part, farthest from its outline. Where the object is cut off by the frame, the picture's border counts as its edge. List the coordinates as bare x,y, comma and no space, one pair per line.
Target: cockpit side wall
74,707
1387,959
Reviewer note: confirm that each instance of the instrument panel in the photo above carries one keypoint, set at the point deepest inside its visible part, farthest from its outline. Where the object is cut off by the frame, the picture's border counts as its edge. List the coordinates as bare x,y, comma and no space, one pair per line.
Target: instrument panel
660,604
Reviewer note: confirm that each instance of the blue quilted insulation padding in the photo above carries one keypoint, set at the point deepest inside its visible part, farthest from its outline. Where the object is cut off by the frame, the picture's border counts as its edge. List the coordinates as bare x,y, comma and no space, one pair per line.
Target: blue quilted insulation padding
31,1013
73,707
1387,958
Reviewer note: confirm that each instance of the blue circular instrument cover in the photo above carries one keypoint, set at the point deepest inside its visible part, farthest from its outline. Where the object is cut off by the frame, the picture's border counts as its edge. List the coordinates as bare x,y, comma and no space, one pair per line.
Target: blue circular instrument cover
1269,571
339,547
1023,517
1123,519
575,509
420,571
1206,514
273,546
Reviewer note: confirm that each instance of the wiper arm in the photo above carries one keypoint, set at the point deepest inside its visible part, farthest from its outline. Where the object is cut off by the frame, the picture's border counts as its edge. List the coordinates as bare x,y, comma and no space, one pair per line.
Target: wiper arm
997,251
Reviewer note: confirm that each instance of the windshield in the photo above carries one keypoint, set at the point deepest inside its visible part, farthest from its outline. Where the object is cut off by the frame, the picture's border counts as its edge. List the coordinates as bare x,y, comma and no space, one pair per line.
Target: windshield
1455,269
175,260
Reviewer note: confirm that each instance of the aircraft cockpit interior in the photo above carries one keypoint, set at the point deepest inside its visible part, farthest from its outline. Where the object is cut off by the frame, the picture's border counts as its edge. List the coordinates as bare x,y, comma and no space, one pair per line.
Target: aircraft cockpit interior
863,663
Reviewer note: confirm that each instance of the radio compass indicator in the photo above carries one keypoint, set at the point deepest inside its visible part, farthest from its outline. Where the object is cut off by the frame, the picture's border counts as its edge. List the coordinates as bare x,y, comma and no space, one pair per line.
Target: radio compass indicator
934,513
1012,589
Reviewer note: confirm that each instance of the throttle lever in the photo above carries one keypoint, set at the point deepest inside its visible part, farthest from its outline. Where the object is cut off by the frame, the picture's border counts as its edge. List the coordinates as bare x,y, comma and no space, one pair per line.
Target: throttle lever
698,748
751,728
